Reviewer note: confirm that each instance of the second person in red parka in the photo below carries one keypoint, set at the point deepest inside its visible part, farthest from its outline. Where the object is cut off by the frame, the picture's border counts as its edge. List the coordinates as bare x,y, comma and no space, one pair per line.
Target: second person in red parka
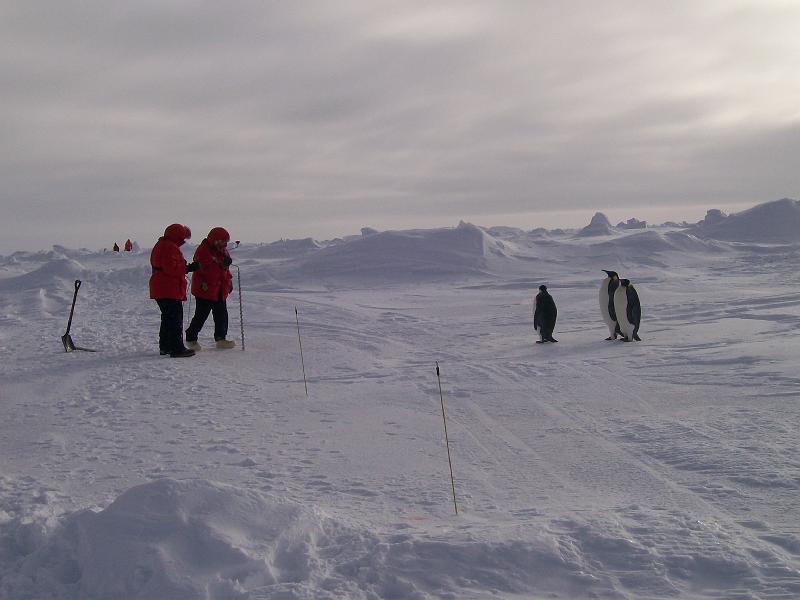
211,284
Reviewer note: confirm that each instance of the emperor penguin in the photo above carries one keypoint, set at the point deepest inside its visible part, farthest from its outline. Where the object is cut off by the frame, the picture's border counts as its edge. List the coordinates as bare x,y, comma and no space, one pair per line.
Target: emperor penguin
544,315
628,309
607,288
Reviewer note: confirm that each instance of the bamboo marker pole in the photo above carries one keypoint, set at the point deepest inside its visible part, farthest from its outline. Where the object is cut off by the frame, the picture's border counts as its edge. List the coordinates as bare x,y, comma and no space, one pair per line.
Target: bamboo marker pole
299,341
188,309
241,311
447,439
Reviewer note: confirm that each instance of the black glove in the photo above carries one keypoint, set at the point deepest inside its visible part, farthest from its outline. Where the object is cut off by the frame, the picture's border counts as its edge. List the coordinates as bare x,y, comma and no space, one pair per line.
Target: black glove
226,262
191,267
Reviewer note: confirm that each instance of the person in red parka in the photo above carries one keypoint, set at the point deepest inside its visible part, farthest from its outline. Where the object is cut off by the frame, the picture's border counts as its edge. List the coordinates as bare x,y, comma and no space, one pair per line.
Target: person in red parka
168,287
211,284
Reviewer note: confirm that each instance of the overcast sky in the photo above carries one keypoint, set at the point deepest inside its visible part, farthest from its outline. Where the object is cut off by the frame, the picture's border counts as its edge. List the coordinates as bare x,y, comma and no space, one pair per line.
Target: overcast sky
297,118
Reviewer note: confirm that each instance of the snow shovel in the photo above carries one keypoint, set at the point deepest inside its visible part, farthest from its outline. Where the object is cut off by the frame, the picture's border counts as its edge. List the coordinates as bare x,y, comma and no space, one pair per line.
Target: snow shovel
66,339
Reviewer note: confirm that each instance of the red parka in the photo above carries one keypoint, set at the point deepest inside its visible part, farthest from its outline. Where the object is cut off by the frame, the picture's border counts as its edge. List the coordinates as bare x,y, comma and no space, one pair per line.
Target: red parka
213,280
168,281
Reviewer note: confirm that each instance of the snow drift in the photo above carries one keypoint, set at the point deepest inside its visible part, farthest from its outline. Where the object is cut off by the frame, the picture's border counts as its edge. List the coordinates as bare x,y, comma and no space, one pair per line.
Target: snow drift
198,539
285,248
770,222
46,276
171,539
423,254
654,242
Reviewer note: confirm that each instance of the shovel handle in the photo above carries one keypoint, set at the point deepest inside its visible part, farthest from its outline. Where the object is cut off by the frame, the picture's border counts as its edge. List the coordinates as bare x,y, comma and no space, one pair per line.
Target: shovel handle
72,309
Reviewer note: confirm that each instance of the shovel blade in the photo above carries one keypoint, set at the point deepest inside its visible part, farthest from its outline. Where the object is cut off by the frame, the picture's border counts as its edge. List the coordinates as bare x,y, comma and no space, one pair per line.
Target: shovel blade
69,345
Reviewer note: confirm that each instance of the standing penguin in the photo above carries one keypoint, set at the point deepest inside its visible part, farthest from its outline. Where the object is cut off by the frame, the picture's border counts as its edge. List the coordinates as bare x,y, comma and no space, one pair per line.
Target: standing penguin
629,311
544,315
607,288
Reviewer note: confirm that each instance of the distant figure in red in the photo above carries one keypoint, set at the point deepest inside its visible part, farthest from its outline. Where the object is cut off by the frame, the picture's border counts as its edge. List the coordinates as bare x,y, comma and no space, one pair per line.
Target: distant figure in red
116,247
128,245
168,287
211,284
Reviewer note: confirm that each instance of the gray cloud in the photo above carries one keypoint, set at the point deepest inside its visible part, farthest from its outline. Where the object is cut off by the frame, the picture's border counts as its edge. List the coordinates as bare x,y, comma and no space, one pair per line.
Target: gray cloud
279,119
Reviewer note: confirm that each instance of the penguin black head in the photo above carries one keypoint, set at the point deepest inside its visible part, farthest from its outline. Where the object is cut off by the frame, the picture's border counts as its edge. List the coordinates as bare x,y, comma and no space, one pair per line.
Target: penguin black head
611,274
542,288
624,282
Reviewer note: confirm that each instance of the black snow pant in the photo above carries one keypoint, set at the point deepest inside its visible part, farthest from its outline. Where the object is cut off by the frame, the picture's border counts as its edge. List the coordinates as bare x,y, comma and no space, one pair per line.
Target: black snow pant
169,335
201,311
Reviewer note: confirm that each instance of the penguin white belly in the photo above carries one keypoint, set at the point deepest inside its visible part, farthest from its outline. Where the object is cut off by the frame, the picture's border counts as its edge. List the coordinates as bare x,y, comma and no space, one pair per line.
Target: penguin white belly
621,308
610,323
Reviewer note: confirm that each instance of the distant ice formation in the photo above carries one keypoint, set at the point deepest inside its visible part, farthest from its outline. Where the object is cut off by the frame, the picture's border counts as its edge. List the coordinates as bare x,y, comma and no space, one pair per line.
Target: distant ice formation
599,225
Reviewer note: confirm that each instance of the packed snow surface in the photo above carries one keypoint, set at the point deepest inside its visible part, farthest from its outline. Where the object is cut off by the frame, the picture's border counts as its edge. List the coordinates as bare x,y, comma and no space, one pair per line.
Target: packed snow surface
667,468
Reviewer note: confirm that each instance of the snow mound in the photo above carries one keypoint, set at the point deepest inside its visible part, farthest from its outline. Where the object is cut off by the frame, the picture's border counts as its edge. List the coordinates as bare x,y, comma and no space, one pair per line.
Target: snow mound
599,225
643,247
137,276
397,256
688,242
506,233
172,539
639,243
72,252
285,248
771,222
46,276
198,539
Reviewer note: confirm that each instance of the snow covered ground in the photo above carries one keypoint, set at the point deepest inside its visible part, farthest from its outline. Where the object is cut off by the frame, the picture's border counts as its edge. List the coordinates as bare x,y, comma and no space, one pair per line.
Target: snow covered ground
586,469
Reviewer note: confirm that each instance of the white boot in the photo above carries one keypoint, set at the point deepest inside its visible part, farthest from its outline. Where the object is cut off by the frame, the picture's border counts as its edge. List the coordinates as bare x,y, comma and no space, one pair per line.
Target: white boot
195,345
225,344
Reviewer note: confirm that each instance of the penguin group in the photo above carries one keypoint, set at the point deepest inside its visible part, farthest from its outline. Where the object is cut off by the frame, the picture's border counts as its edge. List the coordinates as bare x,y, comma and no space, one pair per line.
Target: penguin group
619,308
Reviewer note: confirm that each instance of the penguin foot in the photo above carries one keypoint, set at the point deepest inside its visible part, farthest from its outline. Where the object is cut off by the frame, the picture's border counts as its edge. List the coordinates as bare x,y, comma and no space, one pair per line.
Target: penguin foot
555,341
636,337
541,341
609,338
